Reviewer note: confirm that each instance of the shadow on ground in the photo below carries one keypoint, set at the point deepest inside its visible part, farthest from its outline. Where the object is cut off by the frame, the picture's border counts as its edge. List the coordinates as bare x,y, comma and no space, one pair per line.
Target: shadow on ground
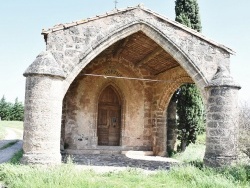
118,160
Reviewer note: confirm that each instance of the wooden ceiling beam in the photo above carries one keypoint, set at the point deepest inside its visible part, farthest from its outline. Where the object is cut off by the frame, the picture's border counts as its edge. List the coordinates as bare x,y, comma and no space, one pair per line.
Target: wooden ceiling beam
151,70
169,68
149,56
121,47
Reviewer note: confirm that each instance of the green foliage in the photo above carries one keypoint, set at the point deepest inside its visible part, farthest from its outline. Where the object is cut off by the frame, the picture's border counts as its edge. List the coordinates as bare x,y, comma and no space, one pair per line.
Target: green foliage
17,111
194,152
190,108
16,157
11,112
244,130
187,13
5,109
190,111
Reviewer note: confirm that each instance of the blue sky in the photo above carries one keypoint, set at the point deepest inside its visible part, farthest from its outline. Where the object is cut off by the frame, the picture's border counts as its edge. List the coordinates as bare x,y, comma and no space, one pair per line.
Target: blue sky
21,22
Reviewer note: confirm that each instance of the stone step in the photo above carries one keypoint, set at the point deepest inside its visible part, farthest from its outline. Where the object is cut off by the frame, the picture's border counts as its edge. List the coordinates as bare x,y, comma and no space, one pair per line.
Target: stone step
91,151
107,151
140,153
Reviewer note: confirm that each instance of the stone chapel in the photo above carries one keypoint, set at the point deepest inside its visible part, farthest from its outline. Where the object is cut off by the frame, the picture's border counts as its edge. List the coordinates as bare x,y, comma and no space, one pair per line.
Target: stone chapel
103,85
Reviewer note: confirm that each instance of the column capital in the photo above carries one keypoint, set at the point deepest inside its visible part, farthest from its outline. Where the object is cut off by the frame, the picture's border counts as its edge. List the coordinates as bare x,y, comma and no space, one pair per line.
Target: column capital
222,78
45,64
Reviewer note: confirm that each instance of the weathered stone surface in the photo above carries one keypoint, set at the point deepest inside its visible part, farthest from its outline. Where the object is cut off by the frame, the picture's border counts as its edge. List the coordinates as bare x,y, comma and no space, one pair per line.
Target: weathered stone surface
222,78
45,64
222,120
42,120
171,125
154,56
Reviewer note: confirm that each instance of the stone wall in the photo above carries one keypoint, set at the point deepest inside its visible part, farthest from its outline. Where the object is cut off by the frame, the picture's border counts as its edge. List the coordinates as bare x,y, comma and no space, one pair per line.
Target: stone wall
75,46
82,106
74,49
143,115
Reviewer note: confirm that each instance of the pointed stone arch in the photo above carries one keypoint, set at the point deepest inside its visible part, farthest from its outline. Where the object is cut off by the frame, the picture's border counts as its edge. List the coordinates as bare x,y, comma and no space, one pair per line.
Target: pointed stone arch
152,32
71,47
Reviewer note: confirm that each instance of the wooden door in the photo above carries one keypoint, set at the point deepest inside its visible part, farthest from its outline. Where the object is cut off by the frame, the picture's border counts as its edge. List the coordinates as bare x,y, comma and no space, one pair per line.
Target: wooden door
109,113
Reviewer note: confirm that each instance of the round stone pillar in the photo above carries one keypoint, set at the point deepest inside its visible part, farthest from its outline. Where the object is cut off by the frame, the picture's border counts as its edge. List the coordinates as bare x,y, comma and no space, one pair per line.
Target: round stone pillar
43,111
222,120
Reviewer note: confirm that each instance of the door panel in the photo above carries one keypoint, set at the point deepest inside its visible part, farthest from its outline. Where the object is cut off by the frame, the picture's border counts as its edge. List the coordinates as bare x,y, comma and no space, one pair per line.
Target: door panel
114,128
109,121
102,129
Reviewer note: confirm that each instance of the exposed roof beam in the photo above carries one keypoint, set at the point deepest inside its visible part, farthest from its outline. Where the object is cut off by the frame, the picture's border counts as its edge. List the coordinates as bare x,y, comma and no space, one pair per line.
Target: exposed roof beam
121,47
167,69
151,70
149,56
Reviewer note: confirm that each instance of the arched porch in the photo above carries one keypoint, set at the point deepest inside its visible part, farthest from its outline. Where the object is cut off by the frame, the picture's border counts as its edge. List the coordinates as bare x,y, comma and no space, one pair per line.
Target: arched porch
144,56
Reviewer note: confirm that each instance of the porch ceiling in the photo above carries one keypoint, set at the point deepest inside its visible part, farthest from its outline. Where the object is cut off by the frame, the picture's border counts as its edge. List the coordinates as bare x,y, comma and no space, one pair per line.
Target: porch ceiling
142,52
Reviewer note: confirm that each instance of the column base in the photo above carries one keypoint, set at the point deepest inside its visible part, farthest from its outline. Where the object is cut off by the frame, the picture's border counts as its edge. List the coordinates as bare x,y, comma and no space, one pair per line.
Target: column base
219,161
41,158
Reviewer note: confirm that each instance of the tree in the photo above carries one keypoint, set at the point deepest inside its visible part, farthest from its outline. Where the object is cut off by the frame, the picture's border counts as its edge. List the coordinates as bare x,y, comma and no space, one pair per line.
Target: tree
17,111
190,109
11,112
4,109
187,13
244,129
190,113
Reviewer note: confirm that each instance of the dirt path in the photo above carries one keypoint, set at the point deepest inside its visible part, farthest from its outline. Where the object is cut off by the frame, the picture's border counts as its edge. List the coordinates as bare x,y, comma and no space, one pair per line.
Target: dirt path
11,136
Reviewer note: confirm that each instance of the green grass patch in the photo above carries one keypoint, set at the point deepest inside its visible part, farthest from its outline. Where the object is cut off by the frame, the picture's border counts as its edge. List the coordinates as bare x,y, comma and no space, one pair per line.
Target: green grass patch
194,152
8,145
12,124
16,157
67,175
9,124
2,132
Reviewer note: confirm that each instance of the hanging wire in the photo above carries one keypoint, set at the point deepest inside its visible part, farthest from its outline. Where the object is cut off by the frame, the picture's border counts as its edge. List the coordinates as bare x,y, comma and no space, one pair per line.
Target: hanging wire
129,78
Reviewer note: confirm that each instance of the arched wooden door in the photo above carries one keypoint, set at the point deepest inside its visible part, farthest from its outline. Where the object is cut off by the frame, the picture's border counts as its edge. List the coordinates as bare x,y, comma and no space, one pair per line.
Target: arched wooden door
109,118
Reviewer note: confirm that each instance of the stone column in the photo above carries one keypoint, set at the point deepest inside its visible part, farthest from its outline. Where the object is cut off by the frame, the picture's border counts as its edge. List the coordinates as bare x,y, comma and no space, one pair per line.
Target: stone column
171,126
159,133
222,120
43,111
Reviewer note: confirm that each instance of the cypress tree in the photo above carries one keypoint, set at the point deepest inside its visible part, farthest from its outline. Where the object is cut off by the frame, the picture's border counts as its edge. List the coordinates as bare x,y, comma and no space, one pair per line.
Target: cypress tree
187,13
190,109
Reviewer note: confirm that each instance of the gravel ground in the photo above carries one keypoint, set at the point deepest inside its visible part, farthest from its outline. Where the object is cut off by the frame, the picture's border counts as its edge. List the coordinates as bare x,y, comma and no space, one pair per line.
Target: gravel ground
106,163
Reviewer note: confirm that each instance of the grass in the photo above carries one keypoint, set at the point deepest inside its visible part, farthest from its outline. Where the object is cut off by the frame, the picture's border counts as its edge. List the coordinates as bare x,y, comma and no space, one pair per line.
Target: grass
16,157
12,124
187,175
8,145
67,175
194,152
2,131
9,124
